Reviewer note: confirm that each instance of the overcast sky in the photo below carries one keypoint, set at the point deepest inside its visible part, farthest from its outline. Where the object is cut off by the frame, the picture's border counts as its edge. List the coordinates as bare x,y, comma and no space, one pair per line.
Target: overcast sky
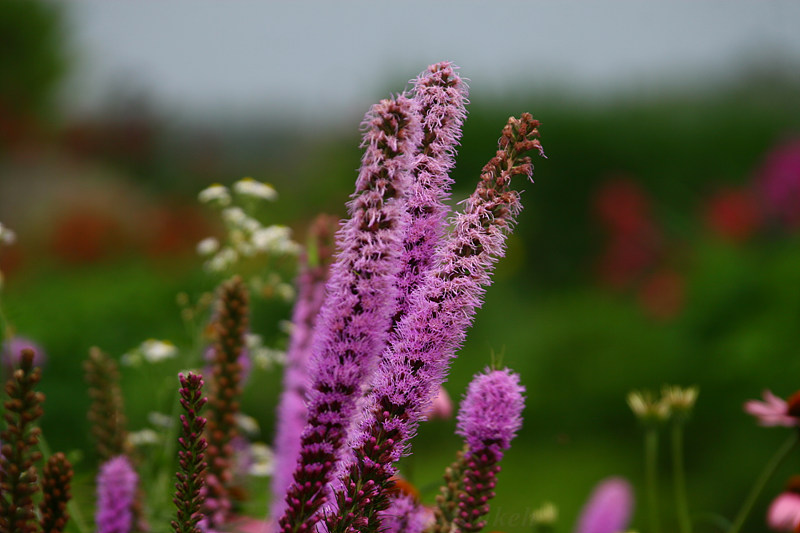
253,58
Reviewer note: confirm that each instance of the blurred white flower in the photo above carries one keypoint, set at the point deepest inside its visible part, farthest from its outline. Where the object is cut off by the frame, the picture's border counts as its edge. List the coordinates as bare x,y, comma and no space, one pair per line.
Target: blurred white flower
216,193
285,291
207,246
253,341
234,215
266,358
160,420
222,260
263,460
6,235
132,358
271,238
143,437
257,189
247,424
286,326
154,350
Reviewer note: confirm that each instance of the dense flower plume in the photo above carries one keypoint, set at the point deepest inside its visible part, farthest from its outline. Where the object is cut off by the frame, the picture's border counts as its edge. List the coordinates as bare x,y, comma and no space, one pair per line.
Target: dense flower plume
116,493
357,314
428,337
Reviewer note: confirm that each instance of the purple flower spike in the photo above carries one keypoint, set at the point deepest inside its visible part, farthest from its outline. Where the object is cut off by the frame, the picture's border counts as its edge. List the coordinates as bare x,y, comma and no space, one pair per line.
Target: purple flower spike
491,413
489,418
405,515
116,490
608,509
291,416
441,96
428,337
353,325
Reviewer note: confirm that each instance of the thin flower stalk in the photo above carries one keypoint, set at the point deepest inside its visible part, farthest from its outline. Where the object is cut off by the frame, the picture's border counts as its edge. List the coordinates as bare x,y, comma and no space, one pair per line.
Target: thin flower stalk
447,500
362,294
291,414
418,360
489,418
116,492
18,478
189,498
223,406
106,411
56,478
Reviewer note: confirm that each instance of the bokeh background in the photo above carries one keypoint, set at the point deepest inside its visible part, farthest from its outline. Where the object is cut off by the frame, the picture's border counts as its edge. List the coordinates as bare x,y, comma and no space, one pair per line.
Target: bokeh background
660,243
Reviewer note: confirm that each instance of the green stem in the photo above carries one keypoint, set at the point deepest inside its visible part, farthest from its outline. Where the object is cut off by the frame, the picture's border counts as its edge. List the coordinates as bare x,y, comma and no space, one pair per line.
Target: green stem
651,476
679,478
766,474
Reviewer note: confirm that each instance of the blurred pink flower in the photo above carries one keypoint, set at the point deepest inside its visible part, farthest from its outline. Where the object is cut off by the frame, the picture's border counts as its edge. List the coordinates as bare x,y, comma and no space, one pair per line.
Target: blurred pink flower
779,181
784,512
442,406
608,509
773,411
247,524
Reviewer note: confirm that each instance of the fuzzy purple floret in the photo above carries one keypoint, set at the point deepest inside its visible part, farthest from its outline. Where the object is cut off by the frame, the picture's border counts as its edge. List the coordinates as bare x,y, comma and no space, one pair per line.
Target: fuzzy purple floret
441,95
491,413
291,416
116,490
608,509
361,299
405,515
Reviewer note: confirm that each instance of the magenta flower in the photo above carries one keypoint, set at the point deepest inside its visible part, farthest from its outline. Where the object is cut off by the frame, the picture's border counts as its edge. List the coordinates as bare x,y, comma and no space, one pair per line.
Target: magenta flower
116,490
773,411
784,512
779,181
608,509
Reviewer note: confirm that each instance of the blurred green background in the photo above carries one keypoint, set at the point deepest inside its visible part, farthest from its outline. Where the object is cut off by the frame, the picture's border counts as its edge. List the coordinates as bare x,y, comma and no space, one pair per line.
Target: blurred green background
652,250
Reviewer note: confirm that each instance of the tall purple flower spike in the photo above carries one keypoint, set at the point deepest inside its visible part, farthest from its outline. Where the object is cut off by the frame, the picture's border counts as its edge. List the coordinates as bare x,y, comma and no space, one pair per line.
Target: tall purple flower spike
429,336
608,509
489,418
291,415
441,95
116,490
361,300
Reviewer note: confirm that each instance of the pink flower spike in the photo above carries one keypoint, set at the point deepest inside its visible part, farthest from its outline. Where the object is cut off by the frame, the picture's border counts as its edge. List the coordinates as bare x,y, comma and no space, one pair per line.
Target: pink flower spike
784,512
773,411
608,509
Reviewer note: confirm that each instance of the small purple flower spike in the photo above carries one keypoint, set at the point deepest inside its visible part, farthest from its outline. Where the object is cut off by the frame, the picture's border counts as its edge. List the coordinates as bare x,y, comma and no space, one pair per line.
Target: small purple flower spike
116,490
489,418
491,413
608,509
